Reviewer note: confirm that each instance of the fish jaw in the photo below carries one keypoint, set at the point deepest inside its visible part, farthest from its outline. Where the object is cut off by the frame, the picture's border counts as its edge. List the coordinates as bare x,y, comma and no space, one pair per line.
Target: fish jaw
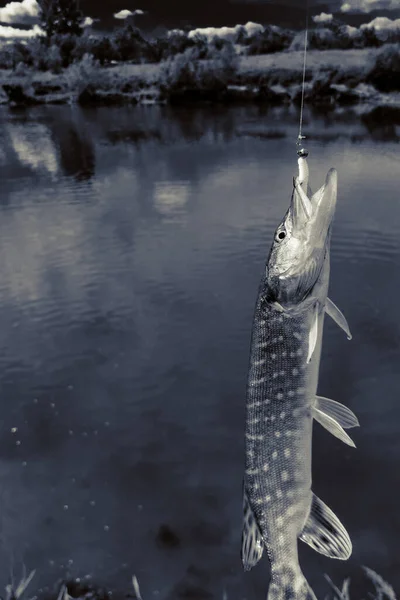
312,215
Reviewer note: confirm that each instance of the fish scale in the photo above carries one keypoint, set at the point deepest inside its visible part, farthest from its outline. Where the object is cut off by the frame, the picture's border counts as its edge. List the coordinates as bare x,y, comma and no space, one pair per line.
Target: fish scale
280,394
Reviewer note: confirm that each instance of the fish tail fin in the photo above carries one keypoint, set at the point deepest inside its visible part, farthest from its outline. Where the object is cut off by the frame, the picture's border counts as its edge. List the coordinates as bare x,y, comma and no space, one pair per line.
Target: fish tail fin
290,586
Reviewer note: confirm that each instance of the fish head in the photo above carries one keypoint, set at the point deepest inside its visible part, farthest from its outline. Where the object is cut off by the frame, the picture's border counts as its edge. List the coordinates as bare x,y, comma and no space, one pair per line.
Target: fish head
298,264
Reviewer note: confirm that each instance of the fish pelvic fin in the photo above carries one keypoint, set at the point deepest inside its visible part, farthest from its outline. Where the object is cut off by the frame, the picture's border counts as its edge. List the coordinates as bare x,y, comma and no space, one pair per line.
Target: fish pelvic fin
342,414
331,424
289,586
336,314
313,334
325,533
252,542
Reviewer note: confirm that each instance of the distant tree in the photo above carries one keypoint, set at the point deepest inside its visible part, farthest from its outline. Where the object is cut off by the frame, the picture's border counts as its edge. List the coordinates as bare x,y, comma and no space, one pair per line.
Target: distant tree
385,74
174,43
242,36
370,39
103,50
83,45
270,40
61,17
335,25
21,54
129,43
67,45
393,37
200,44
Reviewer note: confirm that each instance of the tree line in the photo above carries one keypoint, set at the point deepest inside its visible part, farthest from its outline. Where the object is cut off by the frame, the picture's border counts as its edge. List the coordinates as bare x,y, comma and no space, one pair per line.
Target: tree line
66,40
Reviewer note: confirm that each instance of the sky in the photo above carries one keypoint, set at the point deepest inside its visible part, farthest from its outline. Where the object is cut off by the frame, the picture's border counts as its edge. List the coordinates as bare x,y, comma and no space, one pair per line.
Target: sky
19,15
176,13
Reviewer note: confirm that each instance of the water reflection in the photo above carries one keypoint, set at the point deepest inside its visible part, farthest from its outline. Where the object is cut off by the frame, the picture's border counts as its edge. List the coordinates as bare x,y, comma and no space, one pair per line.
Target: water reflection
383,124
76,150
171,199
131,244
33,147
60,139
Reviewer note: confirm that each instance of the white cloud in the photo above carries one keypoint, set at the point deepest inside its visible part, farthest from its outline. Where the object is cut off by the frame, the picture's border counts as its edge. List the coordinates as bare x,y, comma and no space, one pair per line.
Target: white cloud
226,32
20,12
366,6
323,18
88,21
252,28
7,32
382,24
124,14
351,31
176,32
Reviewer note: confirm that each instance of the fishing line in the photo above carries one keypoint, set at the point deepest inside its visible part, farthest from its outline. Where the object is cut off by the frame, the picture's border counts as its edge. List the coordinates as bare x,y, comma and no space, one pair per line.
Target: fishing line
300,137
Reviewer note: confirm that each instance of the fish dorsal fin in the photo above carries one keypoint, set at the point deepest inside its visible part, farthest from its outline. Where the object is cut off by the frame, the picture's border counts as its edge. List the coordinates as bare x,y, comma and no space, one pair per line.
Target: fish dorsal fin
325,533
343,415
332,426
336,314
313,335
252,544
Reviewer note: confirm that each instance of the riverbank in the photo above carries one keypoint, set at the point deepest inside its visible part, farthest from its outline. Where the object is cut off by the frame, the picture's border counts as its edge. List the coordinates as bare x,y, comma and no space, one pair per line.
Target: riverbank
78,589
333,78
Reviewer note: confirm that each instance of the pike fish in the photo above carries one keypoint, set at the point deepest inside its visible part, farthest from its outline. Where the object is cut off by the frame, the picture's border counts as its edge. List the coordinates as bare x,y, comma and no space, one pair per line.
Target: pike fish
282,402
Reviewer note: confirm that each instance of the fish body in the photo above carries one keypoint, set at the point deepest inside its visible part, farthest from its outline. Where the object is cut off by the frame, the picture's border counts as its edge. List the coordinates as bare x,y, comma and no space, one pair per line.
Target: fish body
282,401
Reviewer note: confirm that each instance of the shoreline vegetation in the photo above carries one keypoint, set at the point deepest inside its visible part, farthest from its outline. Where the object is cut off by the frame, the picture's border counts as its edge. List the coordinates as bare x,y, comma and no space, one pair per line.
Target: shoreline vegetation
71,589
265,68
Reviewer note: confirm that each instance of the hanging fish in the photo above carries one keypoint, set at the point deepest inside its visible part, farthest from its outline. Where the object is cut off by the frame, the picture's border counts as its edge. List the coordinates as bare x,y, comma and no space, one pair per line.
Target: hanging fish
282,401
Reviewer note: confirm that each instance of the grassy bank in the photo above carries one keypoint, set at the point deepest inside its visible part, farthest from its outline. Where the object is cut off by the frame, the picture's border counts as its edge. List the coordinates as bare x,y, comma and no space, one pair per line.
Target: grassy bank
83,590
334,77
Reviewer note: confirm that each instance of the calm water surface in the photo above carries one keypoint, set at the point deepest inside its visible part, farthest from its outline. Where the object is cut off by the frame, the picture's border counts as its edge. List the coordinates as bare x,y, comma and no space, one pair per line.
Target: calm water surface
131,246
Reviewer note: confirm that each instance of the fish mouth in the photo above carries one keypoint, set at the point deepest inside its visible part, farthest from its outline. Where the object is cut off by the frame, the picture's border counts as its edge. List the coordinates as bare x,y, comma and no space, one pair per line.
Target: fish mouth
313,214
298,264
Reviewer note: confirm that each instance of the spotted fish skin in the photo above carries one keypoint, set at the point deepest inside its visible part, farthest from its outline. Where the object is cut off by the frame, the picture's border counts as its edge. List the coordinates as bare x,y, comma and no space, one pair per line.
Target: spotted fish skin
280,392
279,506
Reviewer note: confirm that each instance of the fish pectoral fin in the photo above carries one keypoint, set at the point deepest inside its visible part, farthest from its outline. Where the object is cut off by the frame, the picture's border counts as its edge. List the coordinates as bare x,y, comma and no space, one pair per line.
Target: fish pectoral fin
313,335
336,314
340,413
252,543
325,533
332,426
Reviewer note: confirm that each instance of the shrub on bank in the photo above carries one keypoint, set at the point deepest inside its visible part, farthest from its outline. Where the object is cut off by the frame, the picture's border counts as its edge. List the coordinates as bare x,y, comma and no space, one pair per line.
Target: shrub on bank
272,39
85,72
12,54
385,74
169,45
7,57
186,71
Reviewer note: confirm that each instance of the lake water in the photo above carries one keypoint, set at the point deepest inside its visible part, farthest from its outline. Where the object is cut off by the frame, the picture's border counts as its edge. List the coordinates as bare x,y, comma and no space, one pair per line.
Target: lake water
132,241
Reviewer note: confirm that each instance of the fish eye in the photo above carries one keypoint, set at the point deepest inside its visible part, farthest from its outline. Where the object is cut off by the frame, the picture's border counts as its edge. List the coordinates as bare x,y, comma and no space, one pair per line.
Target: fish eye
280,235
